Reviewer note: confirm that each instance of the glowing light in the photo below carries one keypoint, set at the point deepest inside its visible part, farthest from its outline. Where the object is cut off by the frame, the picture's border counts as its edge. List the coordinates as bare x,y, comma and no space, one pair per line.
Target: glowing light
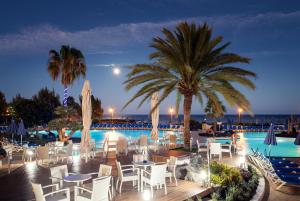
116,71
240,110
111,110
30,152
171,110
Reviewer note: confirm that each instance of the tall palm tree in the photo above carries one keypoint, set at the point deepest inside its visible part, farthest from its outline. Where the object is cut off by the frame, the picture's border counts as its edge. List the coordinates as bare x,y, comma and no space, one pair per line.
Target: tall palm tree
193,63
69,64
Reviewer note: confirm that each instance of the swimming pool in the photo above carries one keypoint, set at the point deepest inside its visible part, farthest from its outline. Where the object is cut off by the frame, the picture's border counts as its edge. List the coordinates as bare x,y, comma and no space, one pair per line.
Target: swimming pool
98,135
255,140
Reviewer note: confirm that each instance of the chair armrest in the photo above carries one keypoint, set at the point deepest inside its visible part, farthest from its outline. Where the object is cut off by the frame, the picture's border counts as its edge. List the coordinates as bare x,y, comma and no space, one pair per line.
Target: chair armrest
94,173
122,166
55,178
72,173
129,169
76,188
51,185
145,171
67,190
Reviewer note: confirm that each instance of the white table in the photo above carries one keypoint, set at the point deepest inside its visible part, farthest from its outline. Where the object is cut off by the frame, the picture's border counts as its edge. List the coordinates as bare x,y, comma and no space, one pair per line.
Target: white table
77,178
144,164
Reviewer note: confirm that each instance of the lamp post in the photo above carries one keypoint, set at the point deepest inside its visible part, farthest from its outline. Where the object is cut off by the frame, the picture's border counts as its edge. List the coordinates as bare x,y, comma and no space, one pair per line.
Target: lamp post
111,111
240,110
171,111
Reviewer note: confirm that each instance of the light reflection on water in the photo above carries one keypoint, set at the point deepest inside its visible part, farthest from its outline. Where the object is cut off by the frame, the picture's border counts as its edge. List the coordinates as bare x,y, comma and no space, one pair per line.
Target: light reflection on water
255,140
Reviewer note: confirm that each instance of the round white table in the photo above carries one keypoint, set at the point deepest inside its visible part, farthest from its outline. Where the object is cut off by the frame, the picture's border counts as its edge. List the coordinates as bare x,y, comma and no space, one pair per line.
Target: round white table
144,164
77,178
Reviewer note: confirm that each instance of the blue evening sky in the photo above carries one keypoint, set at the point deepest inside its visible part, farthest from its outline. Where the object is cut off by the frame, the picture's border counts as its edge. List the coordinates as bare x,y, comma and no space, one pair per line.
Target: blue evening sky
119,32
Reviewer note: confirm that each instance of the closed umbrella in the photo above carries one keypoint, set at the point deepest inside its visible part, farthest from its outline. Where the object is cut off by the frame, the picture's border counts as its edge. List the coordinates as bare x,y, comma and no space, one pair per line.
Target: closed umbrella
297,140
12,128
86,118
154,116
270,138
21,130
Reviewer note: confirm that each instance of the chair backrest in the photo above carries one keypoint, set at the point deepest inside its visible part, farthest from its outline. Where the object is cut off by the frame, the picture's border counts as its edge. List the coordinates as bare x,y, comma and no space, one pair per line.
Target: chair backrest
139,157
42,153
143,140
122,145
158,174
173,139
104,170
172,163
59,144
58,173
38,192
120,173
70,149
101,189
215,148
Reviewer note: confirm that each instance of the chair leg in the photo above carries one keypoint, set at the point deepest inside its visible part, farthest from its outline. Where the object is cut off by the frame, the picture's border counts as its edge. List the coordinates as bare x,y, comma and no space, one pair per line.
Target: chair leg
165,189
175,180
151,188
120,188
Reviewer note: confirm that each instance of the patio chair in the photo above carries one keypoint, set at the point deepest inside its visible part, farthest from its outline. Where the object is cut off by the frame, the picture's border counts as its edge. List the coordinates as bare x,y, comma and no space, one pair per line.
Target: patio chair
58,173
143,144
226,149
139,157
42,155
215,149
171,169
122,146
155,178
172,141
65,153
104,171
100,191
202,147
127,173
58,195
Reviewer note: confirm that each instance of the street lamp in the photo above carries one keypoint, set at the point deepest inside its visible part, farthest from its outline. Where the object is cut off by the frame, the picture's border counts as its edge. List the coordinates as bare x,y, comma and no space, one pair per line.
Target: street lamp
111,111
171,111
240,110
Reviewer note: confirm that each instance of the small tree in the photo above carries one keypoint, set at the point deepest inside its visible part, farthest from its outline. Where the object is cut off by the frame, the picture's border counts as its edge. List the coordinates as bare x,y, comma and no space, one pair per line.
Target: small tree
3,104
66,120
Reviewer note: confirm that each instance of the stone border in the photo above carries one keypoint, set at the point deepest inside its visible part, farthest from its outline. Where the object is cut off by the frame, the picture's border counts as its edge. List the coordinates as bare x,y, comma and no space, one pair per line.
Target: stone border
261,188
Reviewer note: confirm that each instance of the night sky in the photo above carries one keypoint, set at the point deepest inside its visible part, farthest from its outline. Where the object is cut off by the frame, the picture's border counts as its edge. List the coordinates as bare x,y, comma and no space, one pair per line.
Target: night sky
119,33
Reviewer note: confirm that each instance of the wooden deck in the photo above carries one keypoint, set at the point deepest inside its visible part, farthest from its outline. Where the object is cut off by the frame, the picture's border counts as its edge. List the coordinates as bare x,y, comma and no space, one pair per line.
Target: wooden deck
183,191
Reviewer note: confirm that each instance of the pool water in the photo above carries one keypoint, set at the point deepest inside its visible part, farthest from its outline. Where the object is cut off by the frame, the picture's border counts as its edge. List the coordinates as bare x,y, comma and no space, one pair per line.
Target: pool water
255,140
99,135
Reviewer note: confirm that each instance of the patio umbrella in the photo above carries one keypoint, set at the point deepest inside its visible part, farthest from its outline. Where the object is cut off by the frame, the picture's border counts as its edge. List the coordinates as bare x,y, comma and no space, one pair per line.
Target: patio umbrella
86,117
297,140
270,138
12,128
21,130
154,116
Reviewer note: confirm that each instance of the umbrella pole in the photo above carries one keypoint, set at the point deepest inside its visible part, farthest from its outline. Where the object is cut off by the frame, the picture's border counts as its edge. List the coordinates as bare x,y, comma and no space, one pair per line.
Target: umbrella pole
21,140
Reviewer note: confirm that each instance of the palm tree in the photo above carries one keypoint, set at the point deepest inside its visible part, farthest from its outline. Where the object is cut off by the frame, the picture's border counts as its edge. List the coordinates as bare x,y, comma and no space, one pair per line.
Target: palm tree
69,64
192,63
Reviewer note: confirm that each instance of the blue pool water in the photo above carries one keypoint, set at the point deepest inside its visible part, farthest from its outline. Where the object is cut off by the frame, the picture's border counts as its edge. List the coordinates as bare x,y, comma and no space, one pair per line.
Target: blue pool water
285,146
98,135
254,140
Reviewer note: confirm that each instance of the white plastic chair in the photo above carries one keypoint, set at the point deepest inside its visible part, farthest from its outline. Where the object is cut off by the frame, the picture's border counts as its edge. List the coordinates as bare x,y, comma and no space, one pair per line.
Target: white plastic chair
143,144
66,153
171,169
226,149
155,178
202,147
100,191
42,155
57,195
127,173
122,146
215,149
58,173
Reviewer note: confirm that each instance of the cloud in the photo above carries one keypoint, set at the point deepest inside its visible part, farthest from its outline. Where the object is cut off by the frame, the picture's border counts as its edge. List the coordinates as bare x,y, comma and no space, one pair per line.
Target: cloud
110,39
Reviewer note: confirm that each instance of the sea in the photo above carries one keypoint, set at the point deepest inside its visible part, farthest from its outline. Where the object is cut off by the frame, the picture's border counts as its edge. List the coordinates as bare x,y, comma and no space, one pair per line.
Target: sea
230,118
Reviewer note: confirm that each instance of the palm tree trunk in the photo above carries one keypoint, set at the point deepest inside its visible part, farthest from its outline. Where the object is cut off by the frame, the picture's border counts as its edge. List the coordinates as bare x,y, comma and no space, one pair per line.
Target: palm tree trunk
187,104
